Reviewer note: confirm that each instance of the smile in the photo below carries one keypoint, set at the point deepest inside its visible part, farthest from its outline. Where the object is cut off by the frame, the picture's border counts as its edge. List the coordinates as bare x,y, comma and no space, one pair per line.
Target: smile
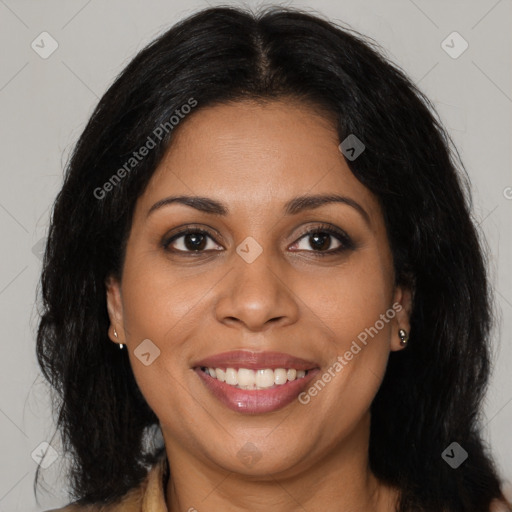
245,378
255,382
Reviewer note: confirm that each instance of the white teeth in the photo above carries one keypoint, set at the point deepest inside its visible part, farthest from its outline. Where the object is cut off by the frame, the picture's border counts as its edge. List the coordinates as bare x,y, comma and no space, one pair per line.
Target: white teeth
280,376
245,378
264,378
231,376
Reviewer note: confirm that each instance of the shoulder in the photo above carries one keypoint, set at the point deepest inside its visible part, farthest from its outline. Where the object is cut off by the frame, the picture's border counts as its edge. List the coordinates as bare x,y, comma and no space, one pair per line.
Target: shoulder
75,508
149,496
131,502
500,506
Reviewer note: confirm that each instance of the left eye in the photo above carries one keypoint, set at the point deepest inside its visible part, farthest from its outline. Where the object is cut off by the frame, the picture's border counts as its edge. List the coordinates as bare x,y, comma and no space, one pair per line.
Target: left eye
319,241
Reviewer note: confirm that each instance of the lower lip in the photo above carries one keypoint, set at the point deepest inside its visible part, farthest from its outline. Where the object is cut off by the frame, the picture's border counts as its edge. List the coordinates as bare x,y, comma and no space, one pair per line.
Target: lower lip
256,401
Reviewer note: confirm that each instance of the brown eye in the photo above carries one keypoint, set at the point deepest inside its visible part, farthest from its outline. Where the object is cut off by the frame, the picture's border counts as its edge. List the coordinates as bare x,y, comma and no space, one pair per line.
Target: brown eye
191,241
324,240
321,241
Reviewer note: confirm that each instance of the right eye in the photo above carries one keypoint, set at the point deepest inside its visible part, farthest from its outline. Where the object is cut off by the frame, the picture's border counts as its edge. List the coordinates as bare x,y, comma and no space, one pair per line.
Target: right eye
191,241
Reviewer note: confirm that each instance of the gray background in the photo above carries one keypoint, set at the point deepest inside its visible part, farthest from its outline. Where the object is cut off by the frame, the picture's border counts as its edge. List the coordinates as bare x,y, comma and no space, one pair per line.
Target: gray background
44,104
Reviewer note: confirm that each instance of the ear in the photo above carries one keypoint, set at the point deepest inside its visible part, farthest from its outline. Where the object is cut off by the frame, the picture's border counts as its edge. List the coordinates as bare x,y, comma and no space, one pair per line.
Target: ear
115,310
402,305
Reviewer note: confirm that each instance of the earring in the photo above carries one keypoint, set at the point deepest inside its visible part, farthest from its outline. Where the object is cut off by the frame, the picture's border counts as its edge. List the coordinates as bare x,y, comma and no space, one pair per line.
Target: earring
120,344
404,337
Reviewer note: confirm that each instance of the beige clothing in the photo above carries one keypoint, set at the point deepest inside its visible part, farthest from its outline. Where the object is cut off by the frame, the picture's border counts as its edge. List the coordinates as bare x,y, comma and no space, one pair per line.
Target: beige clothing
149,497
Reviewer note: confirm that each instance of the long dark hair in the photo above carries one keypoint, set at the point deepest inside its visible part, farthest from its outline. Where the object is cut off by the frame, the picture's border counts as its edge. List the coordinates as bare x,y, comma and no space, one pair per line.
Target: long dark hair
432,391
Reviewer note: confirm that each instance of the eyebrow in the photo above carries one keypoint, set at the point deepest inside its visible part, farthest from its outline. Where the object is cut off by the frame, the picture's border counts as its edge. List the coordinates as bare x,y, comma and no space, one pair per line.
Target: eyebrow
292,207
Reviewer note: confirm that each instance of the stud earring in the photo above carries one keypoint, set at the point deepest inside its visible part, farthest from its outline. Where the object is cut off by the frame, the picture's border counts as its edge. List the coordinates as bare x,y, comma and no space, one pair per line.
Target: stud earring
404,337
120,344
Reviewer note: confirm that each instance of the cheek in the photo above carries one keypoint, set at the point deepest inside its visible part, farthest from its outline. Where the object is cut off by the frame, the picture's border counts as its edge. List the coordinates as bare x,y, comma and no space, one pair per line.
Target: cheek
352,298
167,309
354,306
159,304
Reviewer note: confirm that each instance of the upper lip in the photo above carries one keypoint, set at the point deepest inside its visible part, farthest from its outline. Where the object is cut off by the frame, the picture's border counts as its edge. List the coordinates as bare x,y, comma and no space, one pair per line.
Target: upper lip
255,361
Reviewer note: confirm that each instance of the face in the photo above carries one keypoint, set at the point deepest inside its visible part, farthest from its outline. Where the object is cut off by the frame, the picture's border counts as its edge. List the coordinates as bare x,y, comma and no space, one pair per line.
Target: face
292,302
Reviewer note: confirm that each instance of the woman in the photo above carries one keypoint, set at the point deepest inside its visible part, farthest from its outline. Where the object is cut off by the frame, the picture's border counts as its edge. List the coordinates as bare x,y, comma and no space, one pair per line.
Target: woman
263,251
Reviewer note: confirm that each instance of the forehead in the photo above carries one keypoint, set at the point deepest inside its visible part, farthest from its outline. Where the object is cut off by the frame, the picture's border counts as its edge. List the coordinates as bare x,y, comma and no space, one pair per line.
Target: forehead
248,154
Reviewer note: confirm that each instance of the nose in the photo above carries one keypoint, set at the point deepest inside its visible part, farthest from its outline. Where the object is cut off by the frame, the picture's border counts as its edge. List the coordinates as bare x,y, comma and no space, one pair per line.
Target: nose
257,295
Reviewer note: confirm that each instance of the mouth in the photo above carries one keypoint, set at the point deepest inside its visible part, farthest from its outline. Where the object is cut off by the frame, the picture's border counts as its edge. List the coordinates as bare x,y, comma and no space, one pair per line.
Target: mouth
245,378
255,382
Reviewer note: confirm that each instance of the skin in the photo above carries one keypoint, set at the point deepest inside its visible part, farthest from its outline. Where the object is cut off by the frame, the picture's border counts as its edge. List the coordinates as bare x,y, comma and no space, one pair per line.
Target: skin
254,157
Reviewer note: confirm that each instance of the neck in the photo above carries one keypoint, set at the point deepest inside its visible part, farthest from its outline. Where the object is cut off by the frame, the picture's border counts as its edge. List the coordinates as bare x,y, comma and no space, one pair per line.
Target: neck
339,480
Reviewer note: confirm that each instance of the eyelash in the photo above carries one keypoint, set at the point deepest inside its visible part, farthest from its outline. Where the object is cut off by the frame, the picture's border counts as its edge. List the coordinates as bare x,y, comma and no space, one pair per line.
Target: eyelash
345,241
